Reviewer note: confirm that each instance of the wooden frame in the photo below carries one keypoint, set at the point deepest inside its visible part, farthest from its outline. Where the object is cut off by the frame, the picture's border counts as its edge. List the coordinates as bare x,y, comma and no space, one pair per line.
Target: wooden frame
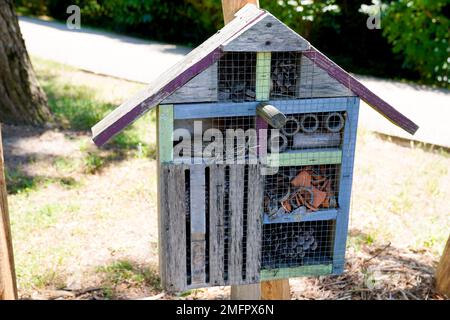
229,109
321,215
345,189
305,157
165,133
201,88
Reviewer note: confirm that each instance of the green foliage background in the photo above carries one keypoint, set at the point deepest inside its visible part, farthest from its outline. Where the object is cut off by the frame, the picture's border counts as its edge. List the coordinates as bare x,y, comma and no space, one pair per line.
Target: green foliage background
413,42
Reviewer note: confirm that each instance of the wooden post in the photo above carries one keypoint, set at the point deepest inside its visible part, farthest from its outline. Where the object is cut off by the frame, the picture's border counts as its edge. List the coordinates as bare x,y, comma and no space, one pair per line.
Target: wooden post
266,290
230,7
8,289
443,272
275,290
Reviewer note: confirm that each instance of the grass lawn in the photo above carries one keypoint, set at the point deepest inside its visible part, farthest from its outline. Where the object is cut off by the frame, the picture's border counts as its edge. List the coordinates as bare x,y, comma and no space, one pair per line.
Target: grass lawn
84,219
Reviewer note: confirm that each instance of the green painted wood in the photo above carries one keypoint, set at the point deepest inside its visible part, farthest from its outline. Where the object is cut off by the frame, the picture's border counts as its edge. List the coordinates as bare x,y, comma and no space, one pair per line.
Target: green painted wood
165,132
303,271
302,158
263,76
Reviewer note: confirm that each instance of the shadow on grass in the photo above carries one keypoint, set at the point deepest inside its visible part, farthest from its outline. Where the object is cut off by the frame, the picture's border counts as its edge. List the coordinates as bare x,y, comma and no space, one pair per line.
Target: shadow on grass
18,181
77,108
121,276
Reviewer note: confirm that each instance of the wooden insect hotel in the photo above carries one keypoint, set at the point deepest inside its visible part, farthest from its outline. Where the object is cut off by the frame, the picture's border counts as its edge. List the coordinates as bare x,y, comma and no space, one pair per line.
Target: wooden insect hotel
256,142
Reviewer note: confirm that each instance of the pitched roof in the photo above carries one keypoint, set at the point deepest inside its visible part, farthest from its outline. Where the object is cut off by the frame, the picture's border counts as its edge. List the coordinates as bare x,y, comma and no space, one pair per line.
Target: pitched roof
238,34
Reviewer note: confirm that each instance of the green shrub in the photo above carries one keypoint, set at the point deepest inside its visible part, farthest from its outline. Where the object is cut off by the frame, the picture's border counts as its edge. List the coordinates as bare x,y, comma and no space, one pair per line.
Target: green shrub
413,42
419,29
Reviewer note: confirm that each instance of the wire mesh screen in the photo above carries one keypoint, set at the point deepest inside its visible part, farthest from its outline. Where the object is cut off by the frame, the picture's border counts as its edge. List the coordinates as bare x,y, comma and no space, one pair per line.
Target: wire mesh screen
215,140
296,244
292,245
308,131
237,77
298,191
285,75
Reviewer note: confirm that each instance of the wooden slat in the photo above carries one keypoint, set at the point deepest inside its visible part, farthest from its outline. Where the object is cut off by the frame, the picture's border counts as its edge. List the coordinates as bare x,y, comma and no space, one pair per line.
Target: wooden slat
360,90
254,223
231,7
317,83
173,227
8,289
302,271
261,131
165,133
246,292
236,225
321,215
198,224
345,187
275,290
263,61
229,109
305,157
201,88
216,226
194,63
268,34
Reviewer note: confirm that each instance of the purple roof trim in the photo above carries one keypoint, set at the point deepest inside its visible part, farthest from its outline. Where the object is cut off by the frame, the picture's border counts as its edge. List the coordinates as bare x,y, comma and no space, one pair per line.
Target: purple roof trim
362,91
167,90
178,81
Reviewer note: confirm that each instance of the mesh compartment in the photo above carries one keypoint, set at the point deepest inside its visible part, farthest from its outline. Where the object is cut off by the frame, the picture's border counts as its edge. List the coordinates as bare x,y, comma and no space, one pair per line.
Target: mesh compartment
237,77
301,190
309,131
291,245
239,143
285,75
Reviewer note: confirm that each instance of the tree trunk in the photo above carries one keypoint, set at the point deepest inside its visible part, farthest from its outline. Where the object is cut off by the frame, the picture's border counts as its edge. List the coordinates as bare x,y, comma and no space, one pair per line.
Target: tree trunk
22,101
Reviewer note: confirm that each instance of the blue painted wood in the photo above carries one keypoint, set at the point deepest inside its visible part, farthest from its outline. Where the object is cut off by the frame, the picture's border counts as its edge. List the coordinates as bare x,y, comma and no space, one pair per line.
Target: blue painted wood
320,215
345,189
227,109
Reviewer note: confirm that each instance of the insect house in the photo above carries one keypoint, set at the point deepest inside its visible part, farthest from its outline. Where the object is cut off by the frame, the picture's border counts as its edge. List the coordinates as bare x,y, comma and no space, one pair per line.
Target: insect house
256,142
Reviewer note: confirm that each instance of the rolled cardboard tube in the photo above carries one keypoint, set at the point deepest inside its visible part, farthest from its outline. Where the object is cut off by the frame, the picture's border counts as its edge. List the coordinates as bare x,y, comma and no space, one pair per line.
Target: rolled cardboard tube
334,122
291,127
271,115
309,123
280,145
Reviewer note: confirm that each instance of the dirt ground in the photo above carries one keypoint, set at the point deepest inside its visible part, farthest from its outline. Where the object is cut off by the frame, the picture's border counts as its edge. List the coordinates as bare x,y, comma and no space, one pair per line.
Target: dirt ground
85,226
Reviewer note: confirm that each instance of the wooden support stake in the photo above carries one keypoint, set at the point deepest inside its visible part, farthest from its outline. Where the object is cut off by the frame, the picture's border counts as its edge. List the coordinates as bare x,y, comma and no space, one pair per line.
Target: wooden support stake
8,289
269,290
275,290
443,272
230,7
